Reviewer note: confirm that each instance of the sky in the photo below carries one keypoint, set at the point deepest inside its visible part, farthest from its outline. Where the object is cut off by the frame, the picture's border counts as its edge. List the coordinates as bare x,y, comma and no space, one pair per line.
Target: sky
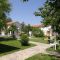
24,12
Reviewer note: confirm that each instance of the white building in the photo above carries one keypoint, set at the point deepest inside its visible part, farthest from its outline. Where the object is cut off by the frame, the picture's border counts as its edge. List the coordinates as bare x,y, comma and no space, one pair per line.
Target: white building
47,30
9,24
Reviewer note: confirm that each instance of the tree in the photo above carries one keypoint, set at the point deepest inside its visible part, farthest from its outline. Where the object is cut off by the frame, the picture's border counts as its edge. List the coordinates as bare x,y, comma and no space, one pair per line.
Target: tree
22,26
4,10
13,29
27,28
55,4
25,0
50,14
44,13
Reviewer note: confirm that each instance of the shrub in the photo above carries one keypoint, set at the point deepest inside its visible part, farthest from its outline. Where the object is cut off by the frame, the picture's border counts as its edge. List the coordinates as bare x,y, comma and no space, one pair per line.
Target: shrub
38,33
58,37
24,39
58,49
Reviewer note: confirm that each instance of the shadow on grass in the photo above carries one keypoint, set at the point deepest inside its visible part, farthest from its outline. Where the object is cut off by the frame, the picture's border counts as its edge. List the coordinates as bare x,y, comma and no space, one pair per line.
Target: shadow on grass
6,39
6,48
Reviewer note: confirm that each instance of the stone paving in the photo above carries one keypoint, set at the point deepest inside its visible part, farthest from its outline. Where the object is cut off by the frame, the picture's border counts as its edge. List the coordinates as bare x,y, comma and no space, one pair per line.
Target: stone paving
26,53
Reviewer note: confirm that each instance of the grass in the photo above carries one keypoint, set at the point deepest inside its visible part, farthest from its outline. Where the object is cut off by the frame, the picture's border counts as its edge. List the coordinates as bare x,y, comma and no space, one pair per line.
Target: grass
53,49
43,57
11,46
38,39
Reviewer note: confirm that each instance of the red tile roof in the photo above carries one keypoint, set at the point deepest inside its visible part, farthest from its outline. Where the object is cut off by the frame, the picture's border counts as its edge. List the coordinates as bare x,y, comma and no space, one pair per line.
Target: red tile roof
38,25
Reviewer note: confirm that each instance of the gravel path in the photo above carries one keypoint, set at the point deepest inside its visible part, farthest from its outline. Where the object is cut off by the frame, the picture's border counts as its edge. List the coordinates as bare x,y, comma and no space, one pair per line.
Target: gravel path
26,53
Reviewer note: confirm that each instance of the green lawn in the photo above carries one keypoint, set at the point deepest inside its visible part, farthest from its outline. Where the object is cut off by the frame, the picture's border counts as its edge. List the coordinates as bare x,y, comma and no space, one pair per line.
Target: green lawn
11,46
42,57
53,49
39,39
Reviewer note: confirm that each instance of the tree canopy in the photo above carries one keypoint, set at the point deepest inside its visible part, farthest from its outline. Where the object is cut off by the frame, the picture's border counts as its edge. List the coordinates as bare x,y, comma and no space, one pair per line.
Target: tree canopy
4,10
50,13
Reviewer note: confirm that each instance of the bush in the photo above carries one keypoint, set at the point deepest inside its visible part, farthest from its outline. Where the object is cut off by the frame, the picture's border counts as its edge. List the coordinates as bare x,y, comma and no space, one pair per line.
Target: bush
38,33
58,37
58,49
24,39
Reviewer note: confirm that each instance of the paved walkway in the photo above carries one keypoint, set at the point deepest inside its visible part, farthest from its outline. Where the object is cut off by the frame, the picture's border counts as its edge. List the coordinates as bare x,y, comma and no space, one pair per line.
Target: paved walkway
26,53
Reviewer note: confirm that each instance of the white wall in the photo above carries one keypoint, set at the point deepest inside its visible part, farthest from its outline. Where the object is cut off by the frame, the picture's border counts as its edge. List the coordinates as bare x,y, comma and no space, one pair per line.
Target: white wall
46,29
